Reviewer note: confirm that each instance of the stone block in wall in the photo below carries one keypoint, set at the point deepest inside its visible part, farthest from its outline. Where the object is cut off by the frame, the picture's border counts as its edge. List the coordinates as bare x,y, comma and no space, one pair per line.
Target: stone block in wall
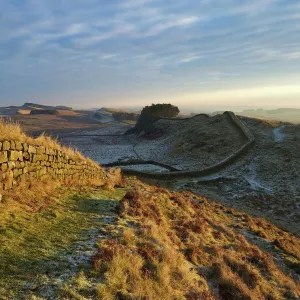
11,165
15,155
6,145
0,146
17,172
35,158
8,185
4,167
3,157
31,149
26,156
41,150
25,147
25,170
19,146
42,172
12,145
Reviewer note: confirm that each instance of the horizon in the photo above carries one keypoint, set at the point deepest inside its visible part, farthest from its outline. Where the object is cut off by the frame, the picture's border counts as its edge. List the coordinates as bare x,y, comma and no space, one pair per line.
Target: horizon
183,109
199,56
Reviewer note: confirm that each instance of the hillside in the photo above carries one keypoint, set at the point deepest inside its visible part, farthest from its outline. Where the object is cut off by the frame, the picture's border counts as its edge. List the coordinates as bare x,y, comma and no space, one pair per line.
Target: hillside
112,115
189,144
100,236
291,115
26,108
179,245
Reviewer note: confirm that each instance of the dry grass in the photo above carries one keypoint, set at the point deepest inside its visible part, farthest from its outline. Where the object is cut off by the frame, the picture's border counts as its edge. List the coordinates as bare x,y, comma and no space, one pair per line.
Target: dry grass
180,246
35,194
143,266
267,122
280,238
67,113
24,111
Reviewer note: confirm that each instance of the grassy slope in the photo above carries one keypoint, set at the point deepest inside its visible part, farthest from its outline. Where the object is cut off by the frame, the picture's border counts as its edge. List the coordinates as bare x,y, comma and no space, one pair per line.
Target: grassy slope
32,239
161,245
180,246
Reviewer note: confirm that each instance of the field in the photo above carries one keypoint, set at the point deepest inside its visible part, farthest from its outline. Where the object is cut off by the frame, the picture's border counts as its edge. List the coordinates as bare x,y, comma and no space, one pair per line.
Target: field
67,120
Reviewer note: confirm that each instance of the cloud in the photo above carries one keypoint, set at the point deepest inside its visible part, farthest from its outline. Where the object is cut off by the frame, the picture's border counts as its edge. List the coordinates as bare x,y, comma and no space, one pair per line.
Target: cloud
138,46
134,3
118,30
189,59
180,22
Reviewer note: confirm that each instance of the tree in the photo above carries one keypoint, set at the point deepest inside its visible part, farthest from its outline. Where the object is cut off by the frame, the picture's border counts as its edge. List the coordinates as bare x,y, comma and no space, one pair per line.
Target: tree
161,110
152,113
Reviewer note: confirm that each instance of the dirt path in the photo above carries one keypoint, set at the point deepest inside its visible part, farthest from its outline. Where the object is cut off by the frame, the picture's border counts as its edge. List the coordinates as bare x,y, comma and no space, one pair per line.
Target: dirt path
62,271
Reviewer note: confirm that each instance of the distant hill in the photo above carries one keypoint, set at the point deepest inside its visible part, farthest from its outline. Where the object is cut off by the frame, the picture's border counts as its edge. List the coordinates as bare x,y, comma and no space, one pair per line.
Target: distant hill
44,112
291,115
106,115
28,107
40,106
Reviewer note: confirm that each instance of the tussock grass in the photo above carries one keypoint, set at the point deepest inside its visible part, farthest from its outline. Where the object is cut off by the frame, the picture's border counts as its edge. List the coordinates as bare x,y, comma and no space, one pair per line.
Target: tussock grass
280,238
180,246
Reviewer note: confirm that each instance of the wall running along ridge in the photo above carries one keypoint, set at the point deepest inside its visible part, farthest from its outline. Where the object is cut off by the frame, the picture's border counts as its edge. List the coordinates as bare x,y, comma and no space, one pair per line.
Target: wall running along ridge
22,163
240,126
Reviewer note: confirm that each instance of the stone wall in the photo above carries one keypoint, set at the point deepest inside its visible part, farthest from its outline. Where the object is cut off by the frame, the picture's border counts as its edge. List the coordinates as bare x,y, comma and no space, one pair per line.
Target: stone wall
249,141
22,163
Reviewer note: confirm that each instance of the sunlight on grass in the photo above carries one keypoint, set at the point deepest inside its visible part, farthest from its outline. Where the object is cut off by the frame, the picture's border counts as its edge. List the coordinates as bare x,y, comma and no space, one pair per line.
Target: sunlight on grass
31,240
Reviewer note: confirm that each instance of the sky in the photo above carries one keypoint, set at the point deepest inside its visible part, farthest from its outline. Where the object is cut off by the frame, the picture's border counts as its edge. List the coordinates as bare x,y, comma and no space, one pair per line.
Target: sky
198,54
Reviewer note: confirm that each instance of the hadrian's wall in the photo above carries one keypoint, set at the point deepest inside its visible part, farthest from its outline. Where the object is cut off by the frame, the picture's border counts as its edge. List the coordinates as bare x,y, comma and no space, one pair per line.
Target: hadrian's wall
240,126
22,163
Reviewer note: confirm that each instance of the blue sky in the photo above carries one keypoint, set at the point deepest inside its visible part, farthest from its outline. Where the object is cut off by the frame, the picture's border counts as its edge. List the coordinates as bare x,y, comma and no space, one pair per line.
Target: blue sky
193,53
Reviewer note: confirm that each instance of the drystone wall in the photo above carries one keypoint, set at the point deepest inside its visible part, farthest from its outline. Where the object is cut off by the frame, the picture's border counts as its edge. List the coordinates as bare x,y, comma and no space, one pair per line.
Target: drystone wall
22,163
240,126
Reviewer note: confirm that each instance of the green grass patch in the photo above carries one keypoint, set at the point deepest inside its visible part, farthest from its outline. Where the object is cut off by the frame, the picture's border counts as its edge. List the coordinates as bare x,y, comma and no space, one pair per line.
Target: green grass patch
31,241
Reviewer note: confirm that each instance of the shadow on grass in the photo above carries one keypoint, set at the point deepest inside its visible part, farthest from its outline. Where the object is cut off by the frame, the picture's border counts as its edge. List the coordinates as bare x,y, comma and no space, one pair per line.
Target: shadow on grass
27,255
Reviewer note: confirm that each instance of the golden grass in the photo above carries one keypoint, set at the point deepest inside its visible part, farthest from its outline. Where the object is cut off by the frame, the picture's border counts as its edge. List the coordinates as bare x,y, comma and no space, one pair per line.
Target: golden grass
180,246
34,194
65,112
24,111
267,122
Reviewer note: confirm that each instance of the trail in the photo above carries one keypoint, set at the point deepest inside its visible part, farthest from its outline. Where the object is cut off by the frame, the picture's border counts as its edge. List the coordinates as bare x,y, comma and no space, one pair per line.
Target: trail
278,135
62,270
